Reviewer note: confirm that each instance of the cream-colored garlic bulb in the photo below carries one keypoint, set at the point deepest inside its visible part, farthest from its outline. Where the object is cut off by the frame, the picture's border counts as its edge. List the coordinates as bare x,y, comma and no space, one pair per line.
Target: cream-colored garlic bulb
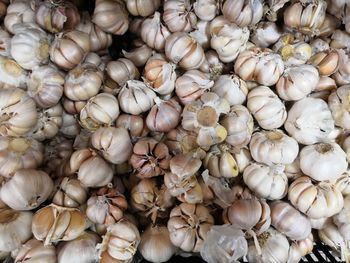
202,116
35,251
316,201
265,34
342,75
289,221
18,113
178,15
114,144
70,193
260,65
309,121
266,107
339,104
323,161
244,12
70,125
19,12
267,182
184,50
191,85
136,97
135,124
206,10
68,43
188,226
273,147
327,62
102,109
142,7
12,74
243,159
111,16
93,170
27,189
140,54
122,70
300,249
19,153
297,82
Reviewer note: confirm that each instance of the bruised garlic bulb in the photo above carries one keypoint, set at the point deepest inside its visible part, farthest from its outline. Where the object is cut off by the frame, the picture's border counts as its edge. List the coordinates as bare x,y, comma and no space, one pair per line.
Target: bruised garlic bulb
327,62
70,193
309,121
339,104
35,251
260,65
135,124
19,12
142,7
273,147
266,107
111,16
27,189
316,201
122,70
231,88
178,15
206,10
265,34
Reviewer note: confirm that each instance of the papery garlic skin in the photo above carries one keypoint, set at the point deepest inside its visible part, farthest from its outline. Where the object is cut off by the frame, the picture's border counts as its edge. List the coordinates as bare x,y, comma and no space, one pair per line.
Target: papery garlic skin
297,82
72,107
265,34
341,220
70,125
12,74
266,107
202,33
27,189
300,249
140,54
206,9
35,251
309,121
135,124
327,62
19,12
142,7
323,161
231,88
178,15
71,193
341,77
340,40
339,104
331,236
122,70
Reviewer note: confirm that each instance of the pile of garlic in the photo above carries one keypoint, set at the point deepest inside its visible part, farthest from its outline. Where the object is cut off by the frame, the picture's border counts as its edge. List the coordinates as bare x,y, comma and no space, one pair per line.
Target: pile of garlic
221,130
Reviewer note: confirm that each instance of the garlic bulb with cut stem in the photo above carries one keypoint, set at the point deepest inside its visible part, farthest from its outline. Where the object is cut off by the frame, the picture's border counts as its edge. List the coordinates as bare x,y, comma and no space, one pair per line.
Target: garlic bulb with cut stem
70,193
122,70
19,12
27,189
206,10
135,125
265,34
339,104
12,74
140,54
178,15
35,251
327,62
142,7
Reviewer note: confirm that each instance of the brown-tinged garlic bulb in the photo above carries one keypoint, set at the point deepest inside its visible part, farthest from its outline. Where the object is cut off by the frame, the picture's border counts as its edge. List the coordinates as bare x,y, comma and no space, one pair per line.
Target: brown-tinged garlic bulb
122,70
70,125
27,189
19,153
120,242
142,7
289,221
140,54
70,193
150,158
3,7
12,75
164,116
309,121
82,249
15,228
72,107
18,113
327,62
191,85
102,109
316,201
184,50
106,206
339,104
69,49
227,39
55,223
35,251
178,15
273,147
93,170
19,12
206,10
260,65
111,16
160,74
202,116
265,34
45,86
135,124
136,97
188,226
300,249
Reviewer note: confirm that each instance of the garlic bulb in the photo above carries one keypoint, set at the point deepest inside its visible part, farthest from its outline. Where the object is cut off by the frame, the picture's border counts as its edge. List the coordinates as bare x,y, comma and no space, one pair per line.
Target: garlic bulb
5,42
184,50
19,12
342,219
260,65
178,15
265,34
212,64
136,97
106,206
289,221
72,107
202,34
316,201
111,16
341,77
327,62
297,82
35,251
154,33
122,70
267,182
202,117
93,170
338,103
188,226
70,193
155,245
102,109
340,40
11,73
227,39
150,158
300,249
206,10
55,223
244,12
142,7
27,189
343,183
140,54
191,85
135,124
273,147
82,249
68,43
309,121
266,107
231,88
70,126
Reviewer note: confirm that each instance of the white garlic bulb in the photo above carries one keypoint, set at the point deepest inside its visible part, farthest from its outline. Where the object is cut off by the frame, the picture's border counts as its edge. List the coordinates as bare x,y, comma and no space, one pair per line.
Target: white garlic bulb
70,125
178,15
339,104
70,193
265,34
19,12
122,70
11,73
342,75
5,43
206,10
140,54
35,251
142,7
